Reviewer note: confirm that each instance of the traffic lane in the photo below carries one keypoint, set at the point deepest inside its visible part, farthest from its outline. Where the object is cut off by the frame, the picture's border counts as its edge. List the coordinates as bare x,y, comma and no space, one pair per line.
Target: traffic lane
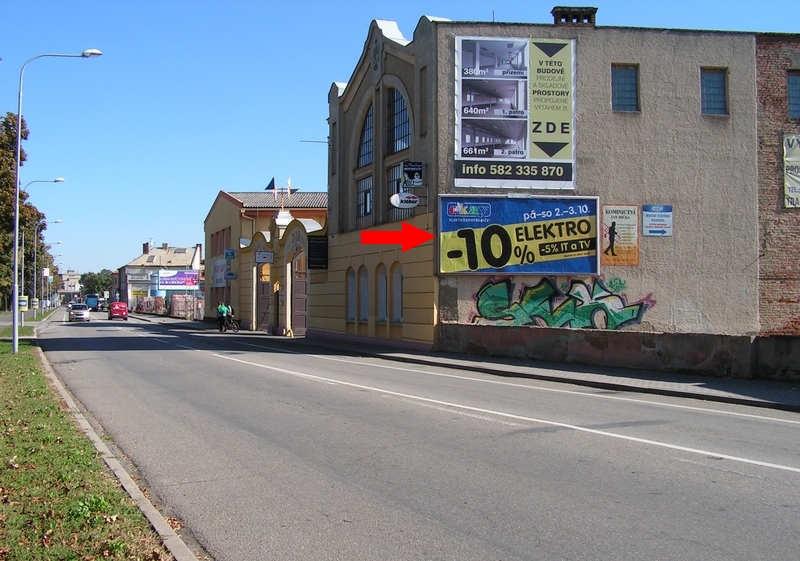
743,432
394,449
746,434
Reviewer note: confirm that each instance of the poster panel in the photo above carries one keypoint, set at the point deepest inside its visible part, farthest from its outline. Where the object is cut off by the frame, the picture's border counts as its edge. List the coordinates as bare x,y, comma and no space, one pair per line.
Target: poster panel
791,170
620,235
515,113
188,280
527,235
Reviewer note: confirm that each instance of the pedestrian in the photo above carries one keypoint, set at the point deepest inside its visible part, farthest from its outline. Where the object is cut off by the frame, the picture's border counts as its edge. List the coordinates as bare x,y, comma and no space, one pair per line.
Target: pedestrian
612,238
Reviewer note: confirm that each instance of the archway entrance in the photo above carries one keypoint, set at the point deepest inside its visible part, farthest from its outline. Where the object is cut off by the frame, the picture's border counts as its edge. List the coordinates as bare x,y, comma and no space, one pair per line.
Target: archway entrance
299,295
263,295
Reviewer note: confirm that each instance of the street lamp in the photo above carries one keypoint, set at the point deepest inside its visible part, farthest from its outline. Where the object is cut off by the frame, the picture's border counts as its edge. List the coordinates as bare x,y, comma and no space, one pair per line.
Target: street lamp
89,53
35,246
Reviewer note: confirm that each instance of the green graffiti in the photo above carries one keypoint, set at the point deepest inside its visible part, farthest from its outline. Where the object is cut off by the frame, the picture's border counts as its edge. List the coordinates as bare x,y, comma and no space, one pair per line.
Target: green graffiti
616,284
580,307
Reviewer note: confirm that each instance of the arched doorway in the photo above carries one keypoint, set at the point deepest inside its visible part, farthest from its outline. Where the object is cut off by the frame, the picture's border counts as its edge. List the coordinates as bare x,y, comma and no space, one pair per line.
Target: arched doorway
299,294
263,295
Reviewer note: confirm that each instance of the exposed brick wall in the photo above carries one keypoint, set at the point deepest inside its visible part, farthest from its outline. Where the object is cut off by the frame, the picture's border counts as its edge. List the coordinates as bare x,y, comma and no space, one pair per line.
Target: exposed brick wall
779,228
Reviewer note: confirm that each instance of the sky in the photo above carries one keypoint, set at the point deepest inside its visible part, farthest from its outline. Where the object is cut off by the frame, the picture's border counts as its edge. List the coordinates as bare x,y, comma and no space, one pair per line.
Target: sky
194,97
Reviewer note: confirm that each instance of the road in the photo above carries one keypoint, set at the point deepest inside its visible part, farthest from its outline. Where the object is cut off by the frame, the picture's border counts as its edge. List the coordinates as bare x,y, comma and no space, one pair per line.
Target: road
270,453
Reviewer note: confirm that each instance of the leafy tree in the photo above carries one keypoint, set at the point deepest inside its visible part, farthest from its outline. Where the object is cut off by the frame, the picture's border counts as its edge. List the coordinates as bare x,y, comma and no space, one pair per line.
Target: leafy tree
8,151
96,283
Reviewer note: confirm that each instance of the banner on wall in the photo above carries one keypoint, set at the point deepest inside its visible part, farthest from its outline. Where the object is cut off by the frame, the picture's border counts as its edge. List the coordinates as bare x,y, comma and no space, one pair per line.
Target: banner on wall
186,280
620,235
791,170
218,270
531,235
515,121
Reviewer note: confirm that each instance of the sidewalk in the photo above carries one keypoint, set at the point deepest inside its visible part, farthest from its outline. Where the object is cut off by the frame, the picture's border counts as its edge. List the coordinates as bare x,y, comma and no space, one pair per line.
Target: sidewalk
758,393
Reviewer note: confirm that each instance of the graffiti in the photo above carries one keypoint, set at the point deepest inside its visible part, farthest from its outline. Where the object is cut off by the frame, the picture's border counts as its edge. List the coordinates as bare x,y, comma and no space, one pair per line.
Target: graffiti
581,306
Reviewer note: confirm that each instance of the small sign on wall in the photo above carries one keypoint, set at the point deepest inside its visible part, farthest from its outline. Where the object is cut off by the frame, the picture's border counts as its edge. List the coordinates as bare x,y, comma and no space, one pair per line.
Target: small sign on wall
620,235
657,220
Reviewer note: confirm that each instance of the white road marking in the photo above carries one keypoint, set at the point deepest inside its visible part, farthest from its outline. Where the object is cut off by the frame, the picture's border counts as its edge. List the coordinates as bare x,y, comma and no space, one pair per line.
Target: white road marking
518,417
530,387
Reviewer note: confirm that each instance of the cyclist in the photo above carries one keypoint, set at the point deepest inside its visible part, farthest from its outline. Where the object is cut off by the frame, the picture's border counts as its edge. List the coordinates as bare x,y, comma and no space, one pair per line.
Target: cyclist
222,312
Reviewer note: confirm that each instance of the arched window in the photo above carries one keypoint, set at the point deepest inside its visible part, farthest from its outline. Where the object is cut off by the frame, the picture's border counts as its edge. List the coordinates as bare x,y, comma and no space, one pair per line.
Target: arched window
363,295
382,310
365,146
397,294
351,295
399,128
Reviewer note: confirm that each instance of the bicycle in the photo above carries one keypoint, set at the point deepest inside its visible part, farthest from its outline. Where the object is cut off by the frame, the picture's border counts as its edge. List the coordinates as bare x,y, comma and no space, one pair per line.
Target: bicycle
230,323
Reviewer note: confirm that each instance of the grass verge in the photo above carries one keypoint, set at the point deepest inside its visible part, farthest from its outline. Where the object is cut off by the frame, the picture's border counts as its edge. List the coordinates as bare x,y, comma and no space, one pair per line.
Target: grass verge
58,501
23,331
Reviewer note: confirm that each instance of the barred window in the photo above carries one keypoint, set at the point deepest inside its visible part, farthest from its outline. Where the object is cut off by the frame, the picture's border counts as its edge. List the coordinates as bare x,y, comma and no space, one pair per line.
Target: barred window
713,91
393,179
383,295
364,211
624,87
365,146
399,127
365,196
793,87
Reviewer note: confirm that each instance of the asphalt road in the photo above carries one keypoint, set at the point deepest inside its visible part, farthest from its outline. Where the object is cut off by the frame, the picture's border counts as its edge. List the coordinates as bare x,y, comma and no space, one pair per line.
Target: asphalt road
267,453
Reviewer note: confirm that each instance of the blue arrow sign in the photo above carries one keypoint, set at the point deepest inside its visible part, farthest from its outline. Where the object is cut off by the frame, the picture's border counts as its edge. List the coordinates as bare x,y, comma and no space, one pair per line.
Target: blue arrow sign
659,232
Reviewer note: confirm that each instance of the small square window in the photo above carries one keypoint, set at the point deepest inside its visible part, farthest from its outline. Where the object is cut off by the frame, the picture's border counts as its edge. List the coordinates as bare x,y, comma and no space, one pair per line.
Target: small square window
793,90
624,87
713,91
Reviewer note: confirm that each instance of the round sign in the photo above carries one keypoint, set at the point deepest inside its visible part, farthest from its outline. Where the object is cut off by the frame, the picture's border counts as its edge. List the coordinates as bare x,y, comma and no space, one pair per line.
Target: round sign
404,200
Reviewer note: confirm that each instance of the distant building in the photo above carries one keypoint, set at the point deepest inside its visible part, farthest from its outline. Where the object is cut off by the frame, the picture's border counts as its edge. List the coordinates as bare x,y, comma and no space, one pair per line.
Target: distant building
257,248
160,272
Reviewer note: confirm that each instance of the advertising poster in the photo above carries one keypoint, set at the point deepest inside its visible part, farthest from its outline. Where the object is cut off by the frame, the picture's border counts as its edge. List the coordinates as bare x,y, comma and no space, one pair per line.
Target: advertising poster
791,170
531,235
620,235
515,121
188,280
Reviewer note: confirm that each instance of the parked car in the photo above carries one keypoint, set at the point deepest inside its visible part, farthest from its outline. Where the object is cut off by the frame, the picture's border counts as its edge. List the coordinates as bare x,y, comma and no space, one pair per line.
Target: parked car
70,303
80,312
118,310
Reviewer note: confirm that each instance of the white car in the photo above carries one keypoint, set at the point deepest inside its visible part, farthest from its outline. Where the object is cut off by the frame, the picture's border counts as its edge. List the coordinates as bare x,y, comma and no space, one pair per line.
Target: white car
80,312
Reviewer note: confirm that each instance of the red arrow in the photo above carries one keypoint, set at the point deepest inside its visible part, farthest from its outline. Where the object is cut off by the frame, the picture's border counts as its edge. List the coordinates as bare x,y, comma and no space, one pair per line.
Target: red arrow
410,236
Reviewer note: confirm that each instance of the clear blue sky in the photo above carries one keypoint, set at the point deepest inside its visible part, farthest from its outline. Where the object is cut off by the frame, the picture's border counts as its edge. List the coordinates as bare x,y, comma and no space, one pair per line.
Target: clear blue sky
192,97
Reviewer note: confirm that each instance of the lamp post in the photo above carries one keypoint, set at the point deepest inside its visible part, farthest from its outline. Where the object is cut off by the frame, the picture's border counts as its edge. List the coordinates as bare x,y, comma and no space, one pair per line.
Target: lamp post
15,286
35,247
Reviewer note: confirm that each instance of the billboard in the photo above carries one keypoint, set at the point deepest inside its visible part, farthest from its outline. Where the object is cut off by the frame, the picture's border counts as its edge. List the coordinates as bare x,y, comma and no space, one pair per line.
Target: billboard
515,113
520,235
791,170
184,280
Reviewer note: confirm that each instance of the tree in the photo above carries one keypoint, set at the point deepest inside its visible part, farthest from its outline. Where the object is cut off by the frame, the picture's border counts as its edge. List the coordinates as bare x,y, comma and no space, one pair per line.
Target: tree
96,283
8,152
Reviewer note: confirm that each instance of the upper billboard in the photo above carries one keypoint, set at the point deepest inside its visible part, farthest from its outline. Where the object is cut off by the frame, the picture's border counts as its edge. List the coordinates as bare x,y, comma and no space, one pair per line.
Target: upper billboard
515,113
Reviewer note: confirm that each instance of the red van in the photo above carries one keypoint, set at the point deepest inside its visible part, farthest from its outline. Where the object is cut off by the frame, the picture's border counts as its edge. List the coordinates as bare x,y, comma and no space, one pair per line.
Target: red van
118,310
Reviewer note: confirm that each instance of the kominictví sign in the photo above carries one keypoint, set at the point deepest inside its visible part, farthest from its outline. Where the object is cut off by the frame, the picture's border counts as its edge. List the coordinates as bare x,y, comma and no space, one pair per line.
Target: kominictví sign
515,120
531,235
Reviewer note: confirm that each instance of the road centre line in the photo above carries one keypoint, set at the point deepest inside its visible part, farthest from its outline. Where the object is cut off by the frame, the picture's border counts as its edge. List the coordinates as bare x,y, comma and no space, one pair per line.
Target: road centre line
538,388
518,417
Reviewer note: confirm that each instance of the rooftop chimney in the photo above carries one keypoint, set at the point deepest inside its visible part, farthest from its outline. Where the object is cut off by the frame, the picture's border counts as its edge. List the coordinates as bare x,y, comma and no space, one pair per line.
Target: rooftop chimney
165,246
145,248
569,16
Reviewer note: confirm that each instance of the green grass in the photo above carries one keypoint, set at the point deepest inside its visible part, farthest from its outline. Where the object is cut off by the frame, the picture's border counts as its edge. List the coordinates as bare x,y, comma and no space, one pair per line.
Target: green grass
23,331
58,500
